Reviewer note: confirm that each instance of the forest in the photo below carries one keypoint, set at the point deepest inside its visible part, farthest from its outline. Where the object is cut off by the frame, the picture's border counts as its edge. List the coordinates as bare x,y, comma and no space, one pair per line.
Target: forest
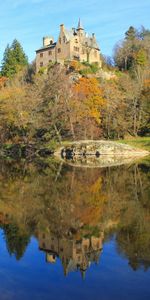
75,101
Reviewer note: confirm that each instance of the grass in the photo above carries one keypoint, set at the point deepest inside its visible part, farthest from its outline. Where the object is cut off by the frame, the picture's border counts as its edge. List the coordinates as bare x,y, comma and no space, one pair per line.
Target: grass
140,142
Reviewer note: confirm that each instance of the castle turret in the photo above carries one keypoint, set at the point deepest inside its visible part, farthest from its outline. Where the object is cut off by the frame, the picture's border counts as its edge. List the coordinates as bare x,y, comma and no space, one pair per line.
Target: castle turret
80,29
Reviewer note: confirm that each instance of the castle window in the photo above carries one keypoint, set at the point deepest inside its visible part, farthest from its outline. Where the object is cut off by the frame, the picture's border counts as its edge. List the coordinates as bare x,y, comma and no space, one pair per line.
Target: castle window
50,52
41,64
64,39
76,49
76,41
59,40
41,54
75,57
59,50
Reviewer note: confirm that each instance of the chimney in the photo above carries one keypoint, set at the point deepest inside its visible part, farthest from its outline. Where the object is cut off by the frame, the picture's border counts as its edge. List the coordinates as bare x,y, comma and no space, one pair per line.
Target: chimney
62,27
47,40
93,35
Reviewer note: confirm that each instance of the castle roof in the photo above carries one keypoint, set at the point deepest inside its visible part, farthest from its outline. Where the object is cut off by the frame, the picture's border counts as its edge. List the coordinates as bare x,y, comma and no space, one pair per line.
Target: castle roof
80,25
69,34
90,42
51,46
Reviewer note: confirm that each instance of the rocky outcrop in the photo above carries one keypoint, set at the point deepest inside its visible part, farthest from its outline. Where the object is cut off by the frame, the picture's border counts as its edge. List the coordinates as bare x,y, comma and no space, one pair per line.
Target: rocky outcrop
97,148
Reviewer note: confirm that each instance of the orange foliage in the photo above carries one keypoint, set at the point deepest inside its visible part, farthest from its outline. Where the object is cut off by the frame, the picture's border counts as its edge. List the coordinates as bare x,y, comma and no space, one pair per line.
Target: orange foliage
75,65
147,83
2,81
88,91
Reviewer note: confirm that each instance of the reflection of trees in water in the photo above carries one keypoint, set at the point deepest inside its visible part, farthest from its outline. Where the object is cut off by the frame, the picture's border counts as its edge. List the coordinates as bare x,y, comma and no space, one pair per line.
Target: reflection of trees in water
16,241
77,203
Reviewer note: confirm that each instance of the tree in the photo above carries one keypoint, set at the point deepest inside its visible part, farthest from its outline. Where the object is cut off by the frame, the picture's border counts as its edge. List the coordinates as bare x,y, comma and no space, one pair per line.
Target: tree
114,113
131,34
56,110
89,99
134,50
17,110
14,59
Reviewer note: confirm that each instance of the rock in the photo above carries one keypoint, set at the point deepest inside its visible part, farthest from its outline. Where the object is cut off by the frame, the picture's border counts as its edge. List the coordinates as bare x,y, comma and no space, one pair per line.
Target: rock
99,153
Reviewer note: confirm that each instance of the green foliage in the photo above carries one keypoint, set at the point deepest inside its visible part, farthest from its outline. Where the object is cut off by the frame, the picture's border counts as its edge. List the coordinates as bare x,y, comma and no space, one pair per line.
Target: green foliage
141,143
14,59
89,68
131,34
134,50
16,241
141,58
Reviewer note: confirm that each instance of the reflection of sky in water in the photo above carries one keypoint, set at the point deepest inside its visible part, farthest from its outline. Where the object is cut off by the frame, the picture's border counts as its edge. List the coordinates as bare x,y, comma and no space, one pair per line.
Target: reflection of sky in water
33,278
77,210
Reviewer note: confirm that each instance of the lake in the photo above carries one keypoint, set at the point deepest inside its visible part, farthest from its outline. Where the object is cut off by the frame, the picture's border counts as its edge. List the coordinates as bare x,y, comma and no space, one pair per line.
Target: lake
72,232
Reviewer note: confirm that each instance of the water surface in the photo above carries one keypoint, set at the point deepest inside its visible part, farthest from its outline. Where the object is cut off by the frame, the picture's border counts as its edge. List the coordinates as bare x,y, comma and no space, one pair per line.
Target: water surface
74,233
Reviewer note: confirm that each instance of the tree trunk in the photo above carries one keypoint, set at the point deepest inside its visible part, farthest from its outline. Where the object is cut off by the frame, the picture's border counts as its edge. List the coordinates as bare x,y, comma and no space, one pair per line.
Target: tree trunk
58,134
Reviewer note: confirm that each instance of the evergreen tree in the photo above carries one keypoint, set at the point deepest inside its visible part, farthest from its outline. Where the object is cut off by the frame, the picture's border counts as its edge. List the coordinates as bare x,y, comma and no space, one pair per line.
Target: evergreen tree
131,34
14,59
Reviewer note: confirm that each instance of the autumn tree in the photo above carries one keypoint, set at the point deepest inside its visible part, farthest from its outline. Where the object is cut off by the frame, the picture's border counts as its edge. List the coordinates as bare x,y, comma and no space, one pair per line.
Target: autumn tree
56,107
133,50
114,123
89,99
18,108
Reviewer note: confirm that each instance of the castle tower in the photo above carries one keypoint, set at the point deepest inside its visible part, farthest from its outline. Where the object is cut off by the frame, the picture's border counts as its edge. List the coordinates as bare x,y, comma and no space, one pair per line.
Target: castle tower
80,29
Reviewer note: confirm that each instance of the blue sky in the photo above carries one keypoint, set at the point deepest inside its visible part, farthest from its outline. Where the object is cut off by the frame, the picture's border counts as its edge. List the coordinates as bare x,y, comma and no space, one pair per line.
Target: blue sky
30,20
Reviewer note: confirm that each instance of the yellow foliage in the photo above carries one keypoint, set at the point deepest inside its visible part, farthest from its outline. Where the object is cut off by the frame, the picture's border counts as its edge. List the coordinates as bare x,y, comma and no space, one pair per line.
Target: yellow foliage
88,91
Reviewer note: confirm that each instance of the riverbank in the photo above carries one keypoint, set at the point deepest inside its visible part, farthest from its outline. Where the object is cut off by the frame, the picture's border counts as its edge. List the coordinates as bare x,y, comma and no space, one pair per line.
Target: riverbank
128,148
140,142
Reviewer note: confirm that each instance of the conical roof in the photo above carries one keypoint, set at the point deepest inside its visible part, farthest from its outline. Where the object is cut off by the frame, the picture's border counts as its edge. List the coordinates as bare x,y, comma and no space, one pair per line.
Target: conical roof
80,25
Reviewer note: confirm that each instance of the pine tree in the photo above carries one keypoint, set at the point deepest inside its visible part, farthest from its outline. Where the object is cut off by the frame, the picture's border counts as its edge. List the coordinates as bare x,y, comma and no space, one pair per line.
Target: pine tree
19,54
14,59
131,34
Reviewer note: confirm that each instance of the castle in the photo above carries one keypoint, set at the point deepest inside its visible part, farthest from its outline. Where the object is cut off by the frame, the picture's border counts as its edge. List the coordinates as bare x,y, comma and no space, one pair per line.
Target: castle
74,255
74,44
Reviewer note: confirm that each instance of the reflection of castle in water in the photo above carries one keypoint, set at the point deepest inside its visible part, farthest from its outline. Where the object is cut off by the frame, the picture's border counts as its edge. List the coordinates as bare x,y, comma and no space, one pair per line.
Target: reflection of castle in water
75,255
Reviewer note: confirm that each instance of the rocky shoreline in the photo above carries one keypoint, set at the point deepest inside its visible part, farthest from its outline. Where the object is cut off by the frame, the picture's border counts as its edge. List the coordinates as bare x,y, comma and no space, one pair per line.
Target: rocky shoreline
98,148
